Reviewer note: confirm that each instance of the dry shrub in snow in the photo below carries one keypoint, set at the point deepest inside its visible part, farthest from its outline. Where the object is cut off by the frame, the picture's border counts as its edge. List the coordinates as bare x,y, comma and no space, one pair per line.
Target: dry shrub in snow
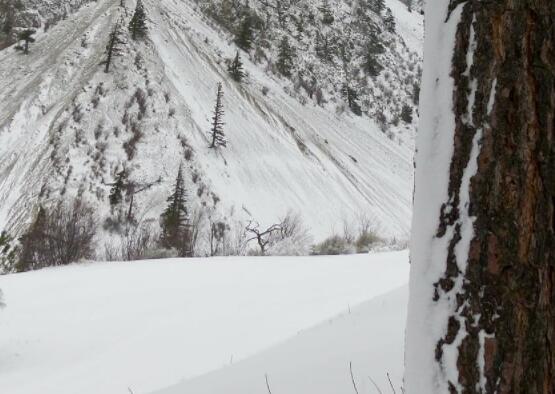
136,242
59,236
334,245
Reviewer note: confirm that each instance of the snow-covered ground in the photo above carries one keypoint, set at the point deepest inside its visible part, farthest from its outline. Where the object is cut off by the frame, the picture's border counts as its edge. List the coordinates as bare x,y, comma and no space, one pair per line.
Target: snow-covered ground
367,340
106,327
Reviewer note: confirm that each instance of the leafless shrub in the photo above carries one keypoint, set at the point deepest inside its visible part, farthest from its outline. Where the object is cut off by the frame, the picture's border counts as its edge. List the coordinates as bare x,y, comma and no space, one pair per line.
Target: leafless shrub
130,146
61,236
136,242
140,97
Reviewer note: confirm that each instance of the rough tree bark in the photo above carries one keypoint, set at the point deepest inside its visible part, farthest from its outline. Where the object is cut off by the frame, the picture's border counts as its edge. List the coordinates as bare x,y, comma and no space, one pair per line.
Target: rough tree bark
502,325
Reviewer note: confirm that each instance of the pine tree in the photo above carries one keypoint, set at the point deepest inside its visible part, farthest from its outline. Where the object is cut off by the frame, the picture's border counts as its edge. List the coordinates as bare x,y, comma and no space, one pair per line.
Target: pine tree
235,68
299,24
374,48
351,96
327,13
406,113
284,63
244,35
116,193
377,6
389,21
137,26
175,219
27,37
325,47
113,48
217,131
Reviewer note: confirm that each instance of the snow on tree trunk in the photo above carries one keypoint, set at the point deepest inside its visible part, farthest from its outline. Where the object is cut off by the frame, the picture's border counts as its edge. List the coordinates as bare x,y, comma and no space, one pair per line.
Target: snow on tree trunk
482,304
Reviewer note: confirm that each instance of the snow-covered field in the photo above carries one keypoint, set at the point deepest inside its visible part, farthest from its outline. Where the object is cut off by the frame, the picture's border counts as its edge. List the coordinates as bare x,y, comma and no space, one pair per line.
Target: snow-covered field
107,327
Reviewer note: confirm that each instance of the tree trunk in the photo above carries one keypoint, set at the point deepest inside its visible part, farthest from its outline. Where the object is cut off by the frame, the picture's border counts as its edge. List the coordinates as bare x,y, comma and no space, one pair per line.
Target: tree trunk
485,269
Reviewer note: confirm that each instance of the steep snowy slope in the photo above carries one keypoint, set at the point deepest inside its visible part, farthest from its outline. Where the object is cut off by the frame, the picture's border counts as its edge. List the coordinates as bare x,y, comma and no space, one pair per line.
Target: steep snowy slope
101,328
66,128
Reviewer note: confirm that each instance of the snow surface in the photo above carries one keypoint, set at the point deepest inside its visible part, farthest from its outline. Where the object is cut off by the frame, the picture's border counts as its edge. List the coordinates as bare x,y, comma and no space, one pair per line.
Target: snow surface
104,327
370,338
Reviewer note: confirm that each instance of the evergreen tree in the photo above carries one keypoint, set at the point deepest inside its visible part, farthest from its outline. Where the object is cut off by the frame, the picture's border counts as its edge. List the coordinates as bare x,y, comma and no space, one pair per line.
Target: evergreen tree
113,48
244,35
327,13
351,96
285,58
416,93
325,47
235,68
137,26
299,24
27,37
217,131
374,48
377,6
406,113
372,65
389,21
175,219
116,193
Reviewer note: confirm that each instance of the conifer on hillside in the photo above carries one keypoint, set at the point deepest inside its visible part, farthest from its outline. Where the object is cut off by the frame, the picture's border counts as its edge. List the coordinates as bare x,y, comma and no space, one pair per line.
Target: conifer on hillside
351,96
389,21
235,68
27,37
113,48
327,13
116,192
175,220
217,132
244,35
137,26
284,63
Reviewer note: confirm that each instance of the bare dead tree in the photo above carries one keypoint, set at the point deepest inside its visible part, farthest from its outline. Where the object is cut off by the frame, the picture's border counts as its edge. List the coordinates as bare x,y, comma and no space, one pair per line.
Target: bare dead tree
262,237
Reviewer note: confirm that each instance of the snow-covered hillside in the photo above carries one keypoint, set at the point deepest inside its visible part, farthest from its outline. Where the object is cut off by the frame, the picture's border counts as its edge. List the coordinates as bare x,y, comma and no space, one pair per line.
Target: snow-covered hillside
107,327
66,127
